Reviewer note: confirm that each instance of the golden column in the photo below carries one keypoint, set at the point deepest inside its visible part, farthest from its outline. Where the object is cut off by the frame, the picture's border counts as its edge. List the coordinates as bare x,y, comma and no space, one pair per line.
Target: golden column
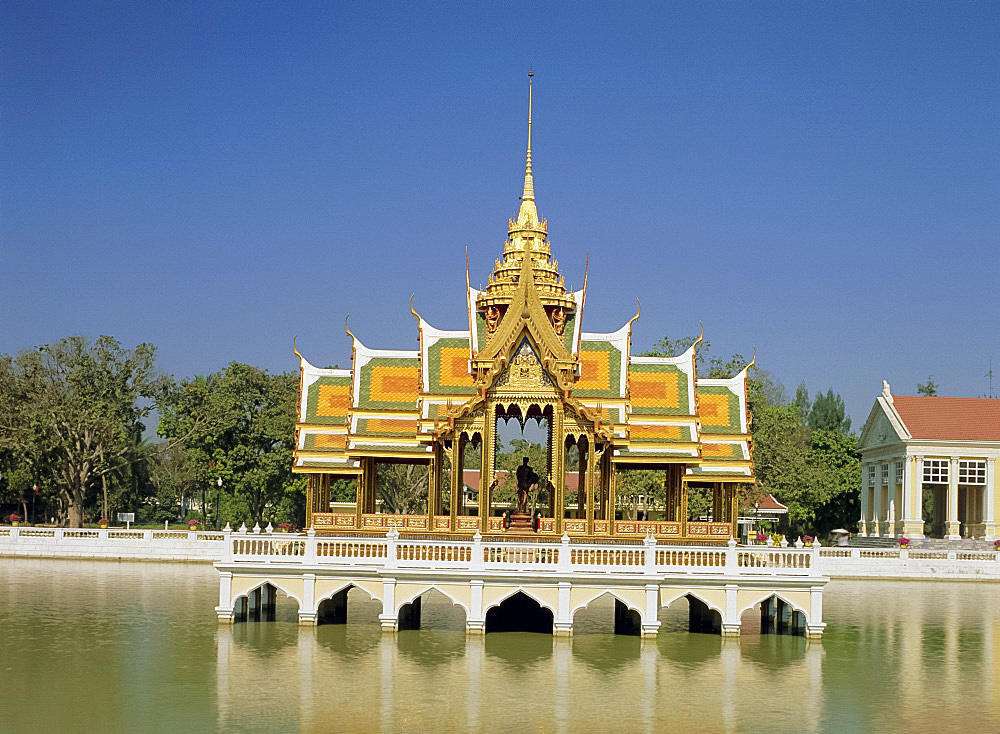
557,448
456,491
588,485
486,467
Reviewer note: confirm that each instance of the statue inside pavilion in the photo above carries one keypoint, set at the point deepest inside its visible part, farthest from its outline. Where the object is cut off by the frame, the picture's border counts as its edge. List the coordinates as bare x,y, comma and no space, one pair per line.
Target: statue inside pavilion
523,358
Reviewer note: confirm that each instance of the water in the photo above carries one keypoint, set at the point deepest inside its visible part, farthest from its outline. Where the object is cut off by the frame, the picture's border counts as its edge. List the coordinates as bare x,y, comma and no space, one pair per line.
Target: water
103,646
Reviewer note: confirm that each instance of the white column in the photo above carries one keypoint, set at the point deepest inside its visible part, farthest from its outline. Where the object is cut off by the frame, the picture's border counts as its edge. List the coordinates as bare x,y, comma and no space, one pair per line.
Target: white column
475,623
388,617
307,612
650,623
863,524
731,622
913,515
225,608
562,625
888,493
815,624
989,512
951,526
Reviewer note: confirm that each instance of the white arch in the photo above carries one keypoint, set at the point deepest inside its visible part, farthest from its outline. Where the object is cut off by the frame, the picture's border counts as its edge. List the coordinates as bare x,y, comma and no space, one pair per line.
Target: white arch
436,588
347,585
767,595
693,595
591,600
521,589
272,582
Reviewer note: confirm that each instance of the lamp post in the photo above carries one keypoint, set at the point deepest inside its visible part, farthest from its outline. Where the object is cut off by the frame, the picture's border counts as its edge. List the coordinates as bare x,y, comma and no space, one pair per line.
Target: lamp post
218,502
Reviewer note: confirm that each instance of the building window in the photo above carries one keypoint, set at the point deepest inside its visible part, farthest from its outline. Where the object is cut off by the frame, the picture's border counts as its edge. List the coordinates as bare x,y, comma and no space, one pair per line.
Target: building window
936,471
972,472
871,475
899,472
885,473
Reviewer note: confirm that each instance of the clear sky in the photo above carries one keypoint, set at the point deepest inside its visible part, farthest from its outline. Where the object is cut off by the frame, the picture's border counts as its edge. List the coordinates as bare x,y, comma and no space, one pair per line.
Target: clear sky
821,180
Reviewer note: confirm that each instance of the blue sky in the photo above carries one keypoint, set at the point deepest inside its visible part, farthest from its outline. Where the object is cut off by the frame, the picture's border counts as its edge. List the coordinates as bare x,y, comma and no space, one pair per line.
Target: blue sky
821,180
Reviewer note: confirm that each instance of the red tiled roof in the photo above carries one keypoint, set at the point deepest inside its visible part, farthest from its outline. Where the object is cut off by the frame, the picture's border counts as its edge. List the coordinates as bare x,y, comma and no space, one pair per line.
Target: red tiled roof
769,503
961,419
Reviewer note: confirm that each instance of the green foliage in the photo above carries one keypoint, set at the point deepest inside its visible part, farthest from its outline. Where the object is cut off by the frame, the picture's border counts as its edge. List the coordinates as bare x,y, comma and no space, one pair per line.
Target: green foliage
239,425
402,488
630,483
828,413
929,388
341,490
72,411
801,402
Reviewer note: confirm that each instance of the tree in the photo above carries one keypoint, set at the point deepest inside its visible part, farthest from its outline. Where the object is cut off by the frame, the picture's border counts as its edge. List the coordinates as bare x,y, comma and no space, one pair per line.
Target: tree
630,483
72,411
176,478
801,402
828,413
929,388
402,488
239,425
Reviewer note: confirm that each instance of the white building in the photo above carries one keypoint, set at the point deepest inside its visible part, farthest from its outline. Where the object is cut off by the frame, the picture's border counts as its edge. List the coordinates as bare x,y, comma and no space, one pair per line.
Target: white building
933,451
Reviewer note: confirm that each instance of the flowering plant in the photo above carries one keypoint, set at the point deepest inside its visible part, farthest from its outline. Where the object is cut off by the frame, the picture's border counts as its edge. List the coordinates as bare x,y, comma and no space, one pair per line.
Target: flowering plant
776,537
102,521
996,544
286,526
761,537
807,539
192,523
904,542
15,517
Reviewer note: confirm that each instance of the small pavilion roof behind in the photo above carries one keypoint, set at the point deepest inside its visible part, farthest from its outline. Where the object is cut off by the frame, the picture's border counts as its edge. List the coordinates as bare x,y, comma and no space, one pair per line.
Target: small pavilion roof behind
969,419
771,506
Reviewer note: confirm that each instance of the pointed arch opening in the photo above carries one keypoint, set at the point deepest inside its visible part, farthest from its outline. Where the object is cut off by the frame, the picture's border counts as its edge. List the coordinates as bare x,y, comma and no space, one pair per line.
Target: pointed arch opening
519,613
263,603
607,612
689,612
773,615
333,609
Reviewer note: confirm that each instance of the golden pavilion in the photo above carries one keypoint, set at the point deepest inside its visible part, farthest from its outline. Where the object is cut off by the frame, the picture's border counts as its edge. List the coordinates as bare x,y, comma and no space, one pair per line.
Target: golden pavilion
524,354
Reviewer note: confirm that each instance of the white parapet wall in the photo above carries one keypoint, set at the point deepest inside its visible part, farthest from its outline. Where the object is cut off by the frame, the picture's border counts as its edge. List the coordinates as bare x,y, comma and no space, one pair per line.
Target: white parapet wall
892,563
182,545
136,545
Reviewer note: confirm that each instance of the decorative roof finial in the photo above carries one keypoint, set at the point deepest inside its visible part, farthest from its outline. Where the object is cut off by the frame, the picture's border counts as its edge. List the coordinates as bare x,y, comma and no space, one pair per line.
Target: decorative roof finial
529,184
528,214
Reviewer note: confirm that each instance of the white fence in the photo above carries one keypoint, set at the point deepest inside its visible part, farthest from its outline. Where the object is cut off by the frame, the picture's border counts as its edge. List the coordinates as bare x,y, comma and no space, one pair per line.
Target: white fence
479,554
900,563
151,545
643,558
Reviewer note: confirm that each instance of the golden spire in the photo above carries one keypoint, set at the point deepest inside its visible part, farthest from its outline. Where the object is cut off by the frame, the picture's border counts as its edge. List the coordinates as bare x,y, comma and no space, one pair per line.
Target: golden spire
528,215
529,184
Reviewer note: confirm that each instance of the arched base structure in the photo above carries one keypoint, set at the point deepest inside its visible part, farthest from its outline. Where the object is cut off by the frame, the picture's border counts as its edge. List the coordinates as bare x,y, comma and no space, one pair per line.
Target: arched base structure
519,613
702,618
532,586
777,617
409,616
257,605
627,621
334,609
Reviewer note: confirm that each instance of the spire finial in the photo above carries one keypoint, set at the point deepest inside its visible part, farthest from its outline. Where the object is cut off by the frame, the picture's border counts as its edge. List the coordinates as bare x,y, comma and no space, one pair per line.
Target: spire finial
529,184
